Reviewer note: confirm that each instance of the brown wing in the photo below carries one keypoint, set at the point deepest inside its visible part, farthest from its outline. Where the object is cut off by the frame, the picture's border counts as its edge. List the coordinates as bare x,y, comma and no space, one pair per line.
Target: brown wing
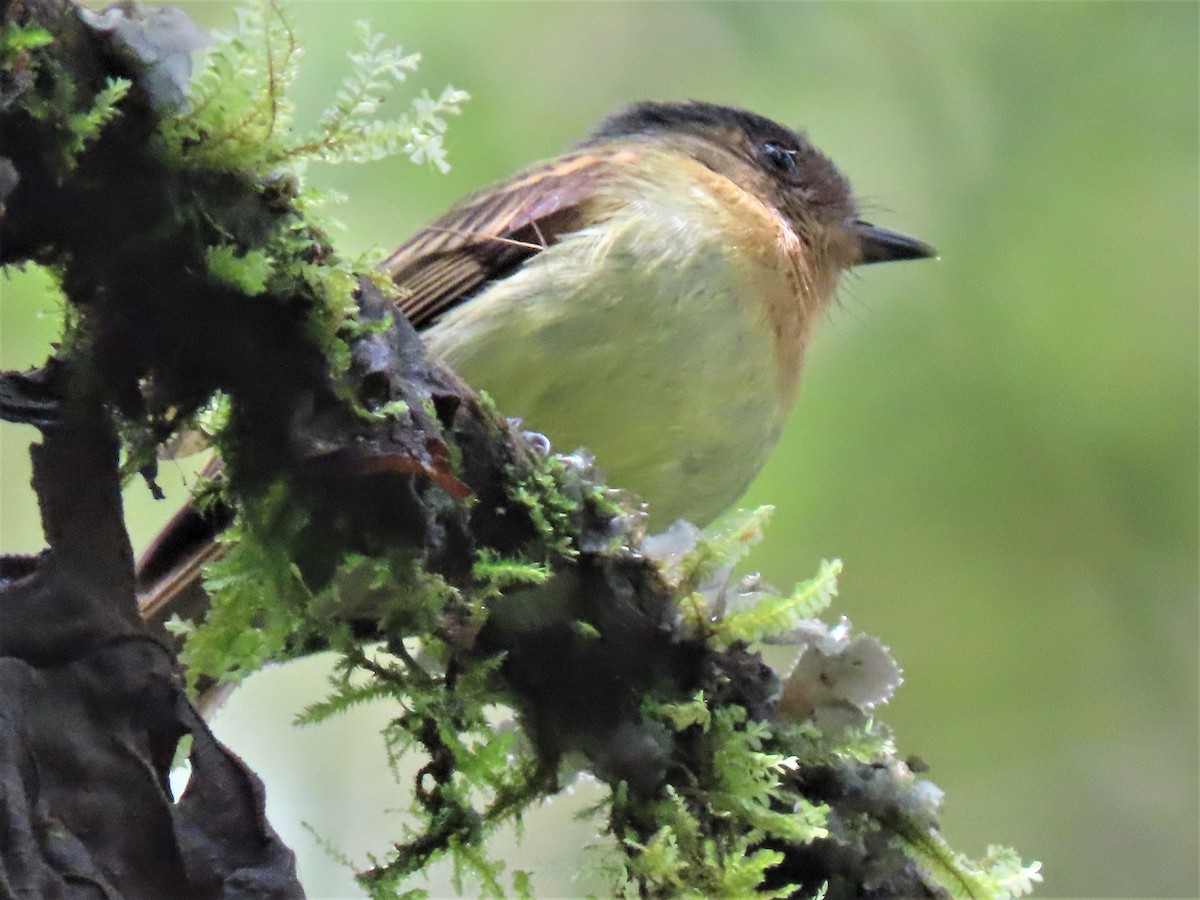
487,235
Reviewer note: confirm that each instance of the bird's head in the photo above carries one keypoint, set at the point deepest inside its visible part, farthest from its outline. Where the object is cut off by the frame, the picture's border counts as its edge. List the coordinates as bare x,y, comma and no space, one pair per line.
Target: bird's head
775,164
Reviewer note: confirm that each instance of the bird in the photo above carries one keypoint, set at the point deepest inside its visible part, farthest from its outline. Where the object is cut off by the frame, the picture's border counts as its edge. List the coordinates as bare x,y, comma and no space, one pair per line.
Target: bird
649,295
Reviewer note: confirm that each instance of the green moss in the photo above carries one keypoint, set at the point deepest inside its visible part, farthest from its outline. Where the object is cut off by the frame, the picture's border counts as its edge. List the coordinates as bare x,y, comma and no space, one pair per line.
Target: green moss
258,597
709,833
493,573
477,776
246,271
239,117
16,41
238,120
773,614
73,121
551,493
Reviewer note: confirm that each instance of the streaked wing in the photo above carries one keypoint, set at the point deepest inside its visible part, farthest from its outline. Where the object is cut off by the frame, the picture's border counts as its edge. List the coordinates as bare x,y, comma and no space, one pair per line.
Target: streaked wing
487,235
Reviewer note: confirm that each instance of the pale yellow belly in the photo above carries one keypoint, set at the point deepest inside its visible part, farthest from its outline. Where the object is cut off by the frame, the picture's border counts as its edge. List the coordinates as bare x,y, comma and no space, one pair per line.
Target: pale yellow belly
641,345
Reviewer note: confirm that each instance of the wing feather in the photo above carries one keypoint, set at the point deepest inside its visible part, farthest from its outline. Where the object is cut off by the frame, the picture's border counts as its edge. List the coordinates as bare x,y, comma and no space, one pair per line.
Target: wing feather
487,235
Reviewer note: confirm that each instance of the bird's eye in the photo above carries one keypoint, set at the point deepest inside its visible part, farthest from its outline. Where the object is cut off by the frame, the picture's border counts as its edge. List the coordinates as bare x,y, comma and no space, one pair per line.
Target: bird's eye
780,158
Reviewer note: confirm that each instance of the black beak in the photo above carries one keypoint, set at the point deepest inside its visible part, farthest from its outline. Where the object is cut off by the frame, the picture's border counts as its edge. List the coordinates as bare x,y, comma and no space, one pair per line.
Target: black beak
880,245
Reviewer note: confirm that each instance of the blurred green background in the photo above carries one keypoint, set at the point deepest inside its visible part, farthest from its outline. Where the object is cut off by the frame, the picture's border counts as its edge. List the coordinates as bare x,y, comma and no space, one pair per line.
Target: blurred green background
1001,446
